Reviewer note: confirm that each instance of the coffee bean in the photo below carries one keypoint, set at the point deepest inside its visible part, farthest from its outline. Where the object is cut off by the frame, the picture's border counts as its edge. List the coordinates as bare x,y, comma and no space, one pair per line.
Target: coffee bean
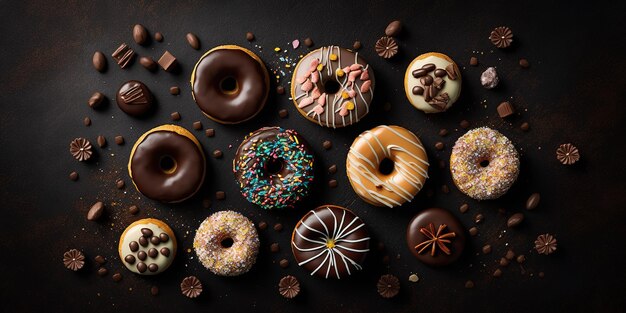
74,176
473,61
220,195
524,63
486,249
464,124
210,132
87,121
283,113
278,227
356,45
148,63
197,125
141,267
478,218
102,142
521,259
439,145
165,252
140,34
464,207
99,61
134,246
130,259
429,67
142,255
102,271
417,90
332,169
154,290
497,273
469,284
275,247
280,90
95,212
515,220
218,154
117,277
525,126
473,231
193,41
153,267
143,241
419,73
164,237
153,253
284,263
509,255
175,116
120,184
119,140
175,90
533,201
393,29
504,262
146,232
262,225
100,259
96,100
440,72
426,80
249,36
308,42
327,144
155,240
133,209
332,183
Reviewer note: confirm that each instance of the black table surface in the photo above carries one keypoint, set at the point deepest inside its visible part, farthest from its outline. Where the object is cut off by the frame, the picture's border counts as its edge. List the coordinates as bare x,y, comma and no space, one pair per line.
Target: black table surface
574,91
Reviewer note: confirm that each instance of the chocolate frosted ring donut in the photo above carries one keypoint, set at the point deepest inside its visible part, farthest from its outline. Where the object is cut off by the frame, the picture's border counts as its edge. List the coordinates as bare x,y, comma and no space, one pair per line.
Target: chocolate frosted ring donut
274,167
167,164
230,84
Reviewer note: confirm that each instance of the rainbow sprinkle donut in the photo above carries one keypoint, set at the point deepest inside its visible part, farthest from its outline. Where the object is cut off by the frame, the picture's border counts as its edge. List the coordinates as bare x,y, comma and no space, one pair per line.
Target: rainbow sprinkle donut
227,243
484,164
274,167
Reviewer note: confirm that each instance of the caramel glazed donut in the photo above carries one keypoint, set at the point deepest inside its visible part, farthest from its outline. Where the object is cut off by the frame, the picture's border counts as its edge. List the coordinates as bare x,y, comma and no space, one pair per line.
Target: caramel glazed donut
230,84
333,87
387,166
484,164
167,164
227,243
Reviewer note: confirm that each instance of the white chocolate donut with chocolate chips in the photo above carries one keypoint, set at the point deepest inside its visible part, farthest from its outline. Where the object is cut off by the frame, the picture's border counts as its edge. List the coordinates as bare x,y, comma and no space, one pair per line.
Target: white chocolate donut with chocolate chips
432,82
147,247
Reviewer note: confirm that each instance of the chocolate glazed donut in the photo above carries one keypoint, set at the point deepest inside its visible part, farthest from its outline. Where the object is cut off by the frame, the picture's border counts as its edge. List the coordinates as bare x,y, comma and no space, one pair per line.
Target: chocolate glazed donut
230,84
167,164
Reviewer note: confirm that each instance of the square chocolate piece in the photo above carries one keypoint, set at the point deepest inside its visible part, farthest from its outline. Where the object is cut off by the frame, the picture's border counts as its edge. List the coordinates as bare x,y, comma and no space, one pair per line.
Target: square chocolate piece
168,61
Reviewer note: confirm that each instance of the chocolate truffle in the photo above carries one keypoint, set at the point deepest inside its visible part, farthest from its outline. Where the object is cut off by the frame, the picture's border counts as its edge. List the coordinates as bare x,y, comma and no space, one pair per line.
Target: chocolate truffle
134,98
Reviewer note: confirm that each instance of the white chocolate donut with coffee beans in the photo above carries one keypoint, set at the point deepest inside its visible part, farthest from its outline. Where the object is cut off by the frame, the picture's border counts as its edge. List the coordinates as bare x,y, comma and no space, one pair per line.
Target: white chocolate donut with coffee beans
432,82
147,247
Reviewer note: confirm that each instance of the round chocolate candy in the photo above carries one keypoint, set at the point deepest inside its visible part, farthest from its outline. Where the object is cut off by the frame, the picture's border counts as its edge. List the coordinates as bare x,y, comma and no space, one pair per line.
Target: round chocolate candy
436,237
134,98
142,255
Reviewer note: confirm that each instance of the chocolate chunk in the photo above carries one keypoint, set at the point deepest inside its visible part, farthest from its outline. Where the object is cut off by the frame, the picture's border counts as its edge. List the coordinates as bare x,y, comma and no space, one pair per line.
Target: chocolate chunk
197,125
275,247
143,241
473,231
146,232
249,36
533,201
497,273
489,78
154,290
356,45
280,90
262,225
133,209
158,36
134,98
168,61
218,154
148,63
439,83
284,263
134,246
308,42
426,80
120,184
283,113
419,73
452,71
464,207
142,255
117,277
486,249
102,271
393,29
96,100
165,252
102,142
464,124
153,253
524,63
426,94
153,267
193,41
515,220
100,259
95,212
417,90
327,144
175,90
99,61
278,227
505,109
332,169
520,259
87,121
504,261
119,140
220,195
469,284
525,126
130,259
509,255
164,237
175,116
473,61
123,55
332,183
478,218
155,240
439,102
74,176
141,267
210,132
439,145
140,34
440,73
429,67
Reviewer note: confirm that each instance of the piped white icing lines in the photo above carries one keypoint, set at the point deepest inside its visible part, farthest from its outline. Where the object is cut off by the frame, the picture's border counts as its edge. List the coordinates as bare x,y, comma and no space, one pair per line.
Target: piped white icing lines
332,246
355,87
410,165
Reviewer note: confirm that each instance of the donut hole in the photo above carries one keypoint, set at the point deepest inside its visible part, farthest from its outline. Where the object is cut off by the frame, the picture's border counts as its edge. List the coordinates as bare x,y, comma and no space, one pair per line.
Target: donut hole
227,242
274,166
386,166
167,164
331,87
229,85
484,163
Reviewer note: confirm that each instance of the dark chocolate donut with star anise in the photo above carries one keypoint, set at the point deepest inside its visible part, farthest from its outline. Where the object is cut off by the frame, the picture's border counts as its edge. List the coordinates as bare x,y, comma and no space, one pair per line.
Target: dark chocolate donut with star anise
436,237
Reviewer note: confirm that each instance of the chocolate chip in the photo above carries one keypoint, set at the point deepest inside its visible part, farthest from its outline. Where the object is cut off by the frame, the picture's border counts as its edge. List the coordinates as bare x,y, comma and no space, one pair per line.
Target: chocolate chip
284,263
417,90
524,63
332,183
280,90
74,176
133,209
164,237
533,201
486,249
521,259
117,277
464,207
140,34
356,45
99,61
100,259
87,121
504,262
278,227
308,42
96,100
439,145
505,109
175,116
102,142
283,113
148,63
393,29
469,284
158,36
473,61
249,36
426,80
210,132
262,225
440,72
102,271
464,124
497,273
275,247
146,232
218,154
95,212
332,169
525,126
165,252
119,140
120,184
197,125
142,255
509,255
155,240
130,259
327,145
141,267
478,218
515,220
134,246
153,267
193,41
168,61
175,90
153,253
473,231
154,290
220,195
143,241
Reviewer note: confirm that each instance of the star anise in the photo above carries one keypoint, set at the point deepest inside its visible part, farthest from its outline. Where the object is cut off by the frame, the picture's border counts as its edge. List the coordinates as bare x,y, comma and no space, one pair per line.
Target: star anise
435,239
567,154
545,244
80,148
388,286
386,47
73,260
501,37
289,287
191,287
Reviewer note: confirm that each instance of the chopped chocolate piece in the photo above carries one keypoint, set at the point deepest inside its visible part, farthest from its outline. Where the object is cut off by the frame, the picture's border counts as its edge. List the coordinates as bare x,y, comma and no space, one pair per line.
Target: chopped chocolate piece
80,148
478,218
133,209
308,42
439,83
117,277
388,286
102,271
74,176
73,260
99,61
283,113
469,284
168,61
452,71
191,287
356,45
100,259
220,195
148,63
275,247
515,220
154,290
278,227
123,55
284,263
473,61
486,249
505,109
140,34
533,201
327,144
87,121
525,126
501,37
509,255
439,101
386,47
566,153
119,140
497,273
417,90
262,225
95,212
289,287
280,90
175,90
464,124
249,36
210,132
332,169
158,36
218,154
524,63
545,244
393,29
175,116
120,184
439,145
504,262
193,41
489,78
332,183
197,125
96,100
521,259
102,142
473,231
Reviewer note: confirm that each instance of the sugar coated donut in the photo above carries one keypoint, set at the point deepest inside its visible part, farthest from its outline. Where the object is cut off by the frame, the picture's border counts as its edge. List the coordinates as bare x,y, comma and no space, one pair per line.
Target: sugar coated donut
167,164
432,82
484,164
227,243
387,166
274,167
230,84
147,247
333,87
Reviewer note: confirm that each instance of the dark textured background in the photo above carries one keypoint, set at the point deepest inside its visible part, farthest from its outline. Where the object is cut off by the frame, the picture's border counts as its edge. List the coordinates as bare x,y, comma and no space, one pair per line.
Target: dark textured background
573,92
